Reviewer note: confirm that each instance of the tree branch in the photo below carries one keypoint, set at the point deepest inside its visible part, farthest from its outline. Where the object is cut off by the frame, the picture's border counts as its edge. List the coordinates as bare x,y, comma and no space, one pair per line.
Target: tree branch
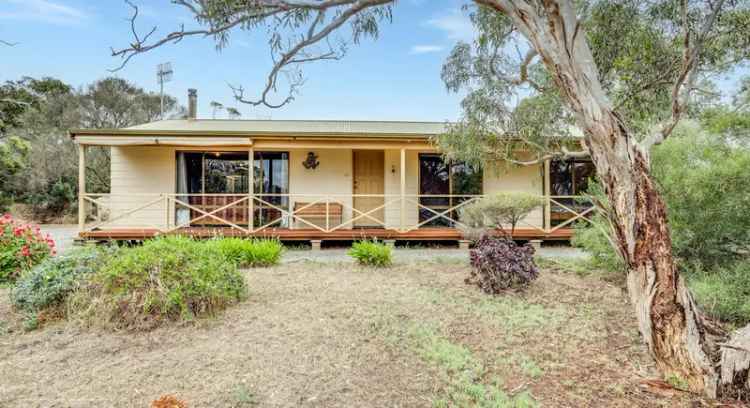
563,154
253,13
684,84
9,44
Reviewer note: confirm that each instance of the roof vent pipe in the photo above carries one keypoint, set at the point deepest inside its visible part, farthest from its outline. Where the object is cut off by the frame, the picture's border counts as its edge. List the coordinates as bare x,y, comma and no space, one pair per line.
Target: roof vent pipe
192,104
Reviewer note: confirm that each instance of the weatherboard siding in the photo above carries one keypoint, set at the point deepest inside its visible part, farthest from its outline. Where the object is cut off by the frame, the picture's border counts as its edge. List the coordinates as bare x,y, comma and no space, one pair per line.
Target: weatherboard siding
140,173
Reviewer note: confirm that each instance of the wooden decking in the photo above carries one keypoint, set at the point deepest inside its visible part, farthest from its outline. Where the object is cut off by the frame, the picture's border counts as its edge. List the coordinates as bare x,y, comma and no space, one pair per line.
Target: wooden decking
284,234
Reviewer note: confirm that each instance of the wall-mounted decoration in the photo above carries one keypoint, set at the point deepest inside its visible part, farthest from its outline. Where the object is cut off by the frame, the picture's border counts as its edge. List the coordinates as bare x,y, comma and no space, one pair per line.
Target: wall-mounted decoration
311,163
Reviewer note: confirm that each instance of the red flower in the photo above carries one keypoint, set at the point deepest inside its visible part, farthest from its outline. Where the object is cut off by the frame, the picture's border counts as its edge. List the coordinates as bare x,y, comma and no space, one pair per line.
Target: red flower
25,251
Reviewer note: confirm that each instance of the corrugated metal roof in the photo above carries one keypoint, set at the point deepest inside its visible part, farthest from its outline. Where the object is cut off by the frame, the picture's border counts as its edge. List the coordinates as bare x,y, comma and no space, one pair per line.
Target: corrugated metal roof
336,127
281,128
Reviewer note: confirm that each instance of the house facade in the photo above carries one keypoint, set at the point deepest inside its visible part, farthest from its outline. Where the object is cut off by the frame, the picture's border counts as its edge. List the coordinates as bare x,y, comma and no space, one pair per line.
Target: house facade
305,180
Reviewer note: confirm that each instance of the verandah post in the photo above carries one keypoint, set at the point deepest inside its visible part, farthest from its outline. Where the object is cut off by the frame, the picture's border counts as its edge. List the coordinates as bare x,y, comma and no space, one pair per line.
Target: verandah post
81,187
251,188
402,171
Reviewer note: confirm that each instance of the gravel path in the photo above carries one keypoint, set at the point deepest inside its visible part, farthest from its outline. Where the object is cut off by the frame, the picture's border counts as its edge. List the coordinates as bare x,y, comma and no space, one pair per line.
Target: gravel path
405,255
63,234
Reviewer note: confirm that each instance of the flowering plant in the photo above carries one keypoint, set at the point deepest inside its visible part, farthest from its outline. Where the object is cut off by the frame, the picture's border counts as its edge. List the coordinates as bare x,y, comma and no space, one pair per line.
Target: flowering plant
21,247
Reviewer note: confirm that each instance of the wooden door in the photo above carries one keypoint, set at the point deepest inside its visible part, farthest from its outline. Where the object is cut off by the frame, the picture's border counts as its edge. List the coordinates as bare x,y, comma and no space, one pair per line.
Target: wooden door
369,178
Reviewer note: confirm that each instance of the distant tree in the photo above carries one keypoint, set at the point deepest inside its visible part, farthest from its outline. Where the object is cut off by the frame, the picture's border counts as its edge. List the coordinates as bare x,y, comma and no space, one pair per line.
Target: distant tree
51,109
233,113
216,106
116,103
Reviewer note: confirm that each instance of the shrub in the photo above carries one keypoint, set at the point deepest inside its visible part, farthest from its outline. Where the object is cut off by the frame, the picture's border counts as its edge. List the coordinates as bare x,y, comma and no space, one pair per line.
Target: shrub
169,278
724,293
48,284
499,264
254,252
372,253
497,211
21,247
593,236
704,182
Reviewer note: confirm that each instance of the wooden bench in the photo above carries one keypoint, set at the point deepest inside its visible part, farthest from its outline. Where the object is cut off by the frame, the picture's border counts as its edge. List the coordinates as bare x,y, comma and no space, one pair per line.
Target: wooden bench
316,213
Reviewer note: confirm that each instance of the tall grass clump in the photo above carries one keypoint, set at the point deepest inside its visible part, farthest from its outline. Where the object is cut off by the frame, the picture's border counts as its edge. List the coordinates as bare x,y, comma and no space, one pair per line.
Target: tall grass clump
724,293
372,253
166,279
255,252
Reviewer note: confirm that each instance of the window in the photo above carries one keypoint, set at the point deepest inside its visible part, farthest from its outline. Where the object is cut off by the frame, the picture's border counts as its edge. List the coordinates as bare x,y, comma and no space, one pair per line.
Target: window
443,181
271,177
569,178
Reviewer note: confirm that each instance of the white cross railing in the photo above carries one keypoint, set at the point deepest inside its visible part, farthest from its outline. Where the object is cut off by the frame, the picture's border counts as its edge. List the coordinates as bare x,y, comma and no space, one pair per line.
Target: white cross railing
251,213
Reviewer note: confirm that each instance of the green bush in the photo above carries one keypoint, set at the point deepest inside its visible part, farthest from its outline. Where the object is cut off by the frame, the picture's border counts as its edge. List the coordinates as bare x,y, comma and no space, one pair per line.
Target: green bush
704,182
497,211
249,253
724,293
592,235
372,253
169,278
49,283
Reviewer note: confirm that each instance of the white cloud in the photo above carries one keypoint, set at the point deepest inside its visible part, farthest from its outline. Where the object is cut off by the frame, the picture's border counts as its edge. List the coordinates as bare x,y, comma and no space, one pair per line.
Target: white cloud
424,49
456,25
43,10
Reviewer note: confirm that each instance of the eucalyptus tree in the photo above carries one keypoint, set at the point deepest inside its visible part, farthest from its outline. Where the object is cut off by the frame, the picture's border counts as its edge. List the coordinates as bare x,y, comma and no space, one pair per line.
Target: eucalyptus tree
216,107
623,72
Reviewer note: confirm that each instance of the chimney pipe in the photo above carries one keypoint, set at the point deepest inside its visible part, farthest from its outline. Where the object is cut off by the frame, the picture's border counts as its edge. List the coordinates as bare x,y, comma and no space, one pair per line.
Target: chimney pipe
192,104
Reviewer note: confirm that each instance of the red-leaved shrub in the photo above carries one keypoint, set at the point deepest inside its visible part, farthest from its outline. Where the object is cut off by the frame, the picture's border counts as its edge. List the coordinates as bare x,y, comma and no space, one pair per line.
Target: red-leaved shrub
21,247
499,264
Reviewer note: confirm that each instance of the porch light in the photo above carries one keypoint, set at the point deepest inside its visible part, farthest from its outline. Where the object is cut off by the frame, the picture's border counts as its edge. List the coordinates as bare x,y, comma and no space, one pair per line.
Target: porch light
311,163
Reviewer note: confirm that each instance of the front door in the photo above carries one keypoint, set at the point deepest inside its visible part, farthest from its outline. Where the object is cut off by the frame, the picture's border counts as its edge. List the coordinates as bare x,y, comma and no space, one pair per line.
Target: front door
369,178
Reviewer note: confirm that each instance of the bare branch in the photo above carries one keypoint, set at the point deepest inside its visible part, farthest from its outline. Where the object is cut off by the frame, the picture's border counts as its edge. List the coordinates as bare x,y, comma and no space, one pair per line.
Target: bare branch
563,154
297,53
685,82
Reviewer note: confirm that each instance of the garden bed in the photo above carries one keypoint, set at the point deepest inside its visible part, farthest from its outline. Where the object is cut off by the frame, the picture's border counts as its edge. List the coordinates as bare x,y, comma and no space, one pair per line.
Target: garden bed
338,335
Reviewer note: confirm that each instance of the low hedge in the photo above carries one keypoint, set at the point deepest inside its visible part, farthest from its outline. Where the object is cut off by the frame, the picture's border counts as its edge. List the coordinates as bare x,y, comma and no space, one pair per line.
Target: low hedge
171,278
48,285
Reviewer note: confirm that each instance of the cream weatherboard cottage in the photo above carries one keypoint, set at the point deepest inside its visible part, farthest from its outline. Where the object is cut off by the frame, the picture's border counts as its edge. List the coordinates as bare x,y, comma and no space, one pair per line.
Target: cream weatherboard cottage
311,180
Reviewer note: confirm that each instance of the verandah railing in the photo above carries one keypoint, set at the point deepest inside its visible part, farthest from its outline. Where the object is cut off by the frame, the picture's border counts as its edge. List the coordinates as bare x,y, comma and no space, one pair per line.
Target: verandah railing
250,213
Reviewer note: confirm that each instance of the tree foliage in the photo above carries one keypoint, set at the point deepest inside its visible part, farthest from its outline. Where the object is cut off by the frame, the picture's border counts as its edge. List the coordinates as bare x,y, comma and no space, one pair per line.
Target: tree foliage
511,104
705,182
36,131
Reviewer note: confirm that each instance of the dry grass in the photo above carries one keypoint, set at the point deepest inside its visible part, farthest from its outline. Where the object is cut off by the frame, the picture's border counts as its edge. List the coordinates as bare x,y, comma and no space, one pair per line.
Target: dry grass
337,335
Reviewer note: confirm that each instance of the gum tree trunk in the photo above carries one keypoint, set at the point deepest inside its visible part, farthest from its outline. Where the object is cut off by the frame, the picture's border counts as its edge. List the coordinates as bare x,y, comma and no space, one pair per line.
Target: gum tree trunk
676,334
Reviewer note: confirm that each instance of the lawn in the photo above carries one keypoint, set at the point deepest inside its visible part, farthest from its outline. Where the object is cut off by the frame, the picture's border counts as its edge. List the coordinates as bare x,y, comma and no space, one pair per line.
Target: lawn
339,335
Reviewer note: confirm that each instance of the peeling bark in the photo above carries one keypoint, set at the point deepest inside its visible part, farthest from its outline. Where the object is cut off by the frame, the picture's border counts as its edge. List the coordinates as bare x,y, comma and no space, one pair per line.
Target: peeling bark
679,339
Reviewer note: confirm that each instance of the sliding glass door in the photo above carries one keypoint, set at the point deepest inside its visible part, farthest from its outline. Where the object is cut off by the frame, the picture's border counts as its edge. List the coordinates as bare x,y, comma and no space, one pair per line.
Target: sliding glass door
215,183
443,186
271,179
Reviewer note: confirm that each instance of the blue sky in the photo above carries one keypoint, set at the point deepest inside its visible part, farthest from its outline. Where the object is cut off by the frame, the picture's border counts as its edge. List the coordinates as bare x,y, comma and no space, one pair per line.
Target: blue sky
396,77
